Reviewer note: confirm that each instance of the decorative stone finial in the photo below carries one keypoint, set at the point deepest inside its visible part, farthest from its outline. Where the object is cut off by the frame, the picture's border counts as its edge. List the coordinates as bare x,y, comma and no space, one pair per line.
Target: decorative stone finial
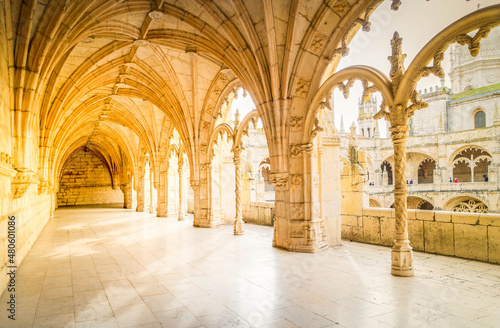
397,61
342,129
377,130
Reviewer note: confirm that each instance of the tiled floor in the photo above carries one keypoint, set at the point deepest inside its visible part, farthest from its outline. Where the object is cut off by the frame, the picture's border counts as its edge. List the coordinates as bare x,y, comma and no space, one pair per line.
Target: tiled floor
118,268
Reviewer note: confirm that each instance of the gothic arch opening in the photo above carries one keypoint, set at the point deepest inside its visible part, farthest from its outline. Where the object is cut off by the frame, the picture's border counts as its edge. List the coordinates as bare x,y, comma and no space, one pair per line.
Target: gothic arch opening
86,179
419,203
375,203
471,165
426,171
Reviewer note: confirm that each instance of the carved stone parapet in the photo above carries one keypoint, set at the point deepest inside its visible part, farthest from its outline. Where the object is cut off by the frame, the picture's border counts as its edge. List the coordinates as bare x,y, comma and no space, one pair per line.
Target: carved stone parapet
331,141
22,182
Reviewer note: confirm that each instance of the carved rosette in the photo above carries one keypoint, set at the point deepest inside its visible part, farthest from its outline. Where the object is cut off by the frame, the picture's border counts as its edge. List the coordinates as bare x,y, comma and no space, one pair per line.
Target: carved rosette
296,180
296,123
302,88
280,181
43,187
195,185
298,211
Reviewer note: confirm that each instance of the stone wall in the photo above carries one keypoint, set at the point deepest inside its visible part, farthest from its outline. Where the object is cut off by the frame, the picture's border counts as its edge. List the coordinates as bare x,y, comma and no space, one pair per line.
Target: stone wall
86,180
473,236
261,213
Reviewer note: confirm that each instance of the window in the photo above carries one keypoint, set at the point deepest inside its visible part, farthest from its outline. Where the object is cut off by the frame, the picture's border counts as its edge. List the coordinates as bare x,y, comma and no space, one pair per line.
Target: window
479,119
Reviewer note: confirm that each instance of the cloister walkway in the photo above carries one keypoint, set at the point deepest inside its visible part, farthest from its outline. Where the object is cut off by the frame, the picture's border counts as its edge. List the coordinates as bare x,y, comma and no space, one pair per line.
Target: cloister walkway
110,267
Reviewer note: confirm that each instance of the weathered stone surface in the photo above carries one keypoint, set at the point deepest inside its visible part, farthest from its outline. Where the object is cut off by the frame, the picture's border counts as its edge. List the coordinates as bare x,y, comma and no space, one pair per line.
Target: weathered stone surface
439,238
470,241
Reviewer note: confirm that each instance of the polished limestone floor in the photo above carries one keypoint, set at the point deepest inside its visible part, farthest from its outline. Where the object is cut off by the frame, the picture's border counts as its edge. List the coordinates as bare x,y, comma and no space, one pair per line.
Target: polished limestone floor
109,267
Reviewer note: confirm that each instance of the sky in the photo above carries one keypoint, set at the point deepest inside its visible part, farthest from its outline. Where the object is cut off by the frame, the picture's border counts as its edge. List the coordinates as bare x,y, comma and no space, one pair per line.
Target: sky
417,22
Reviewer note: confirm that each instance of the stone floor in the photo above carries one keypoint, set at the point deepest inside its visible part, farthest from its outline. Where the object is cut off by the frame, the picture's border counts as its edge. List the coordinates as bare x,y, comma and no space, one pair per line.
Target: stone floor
109,267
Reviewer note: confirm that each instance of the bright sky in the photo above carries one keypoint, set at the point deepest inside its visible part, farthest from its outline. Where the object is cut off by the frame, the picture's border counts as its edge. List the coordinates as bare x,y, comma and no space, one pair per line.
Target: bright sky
417,22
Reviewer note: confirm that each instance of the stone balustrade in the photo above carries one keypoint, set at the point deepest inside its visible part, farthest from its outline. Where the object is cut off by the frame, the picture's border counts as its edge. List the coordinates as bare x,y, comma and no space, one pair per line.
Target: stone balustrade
473,236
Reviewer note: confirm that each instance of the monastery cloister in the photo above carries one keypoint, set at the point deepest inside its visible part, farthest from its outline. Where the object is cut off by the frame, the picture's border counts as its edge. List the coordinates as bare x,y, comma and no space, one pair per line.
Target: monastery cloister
129,101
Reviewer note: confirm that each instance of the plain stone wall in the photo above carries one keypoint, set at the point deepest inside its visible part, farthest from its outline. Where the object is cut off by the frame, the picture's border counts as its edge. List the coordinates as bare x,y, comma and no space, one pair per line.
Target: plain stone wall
33,209
86,180
261,213
473,236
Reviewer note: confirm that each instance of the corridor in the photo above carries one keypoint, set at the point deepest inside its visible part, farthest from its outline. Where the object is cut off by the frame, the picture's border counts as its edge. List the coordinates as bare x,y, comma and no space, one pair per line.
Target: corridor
112,267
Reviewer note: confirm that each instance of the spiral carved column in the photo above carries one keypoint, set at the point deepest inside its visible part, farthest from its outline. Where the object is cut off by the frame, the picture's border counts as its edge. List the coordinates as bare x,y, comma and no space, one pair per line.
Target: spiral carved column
402,253
238,221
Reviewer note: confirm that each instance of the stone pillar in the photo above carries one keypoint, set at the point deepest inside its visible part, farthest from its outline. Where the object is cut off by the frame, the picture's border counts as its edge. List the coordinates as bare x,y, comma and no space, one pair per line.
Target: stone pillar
238,220
402,253
195,185
127,194
162,195
151,186
171,196
437,176
313,240
180,169
140,192
330,189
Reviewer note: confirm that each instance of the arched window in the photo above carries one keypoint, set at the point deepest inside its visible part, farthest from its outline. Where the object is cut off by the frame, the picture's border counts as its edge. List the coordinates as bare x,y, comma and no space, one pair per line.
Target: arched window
426,171
363,132
471,165
479,119
368,130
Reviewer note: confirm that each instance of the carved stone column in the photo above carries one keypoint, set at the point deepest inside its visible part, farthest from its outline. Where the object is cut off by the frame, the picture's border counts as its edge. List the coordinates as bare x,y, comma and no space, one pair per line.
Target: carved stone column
238,220
195,185
162,195
402,253
151,186
180,169
140,193
127,194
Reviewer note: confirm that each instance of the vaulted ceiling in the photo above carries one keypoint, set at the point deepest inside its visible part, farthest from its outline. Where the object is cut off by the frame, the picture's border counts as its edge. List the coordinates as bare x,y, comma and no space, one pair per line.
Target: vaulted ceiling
112,74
